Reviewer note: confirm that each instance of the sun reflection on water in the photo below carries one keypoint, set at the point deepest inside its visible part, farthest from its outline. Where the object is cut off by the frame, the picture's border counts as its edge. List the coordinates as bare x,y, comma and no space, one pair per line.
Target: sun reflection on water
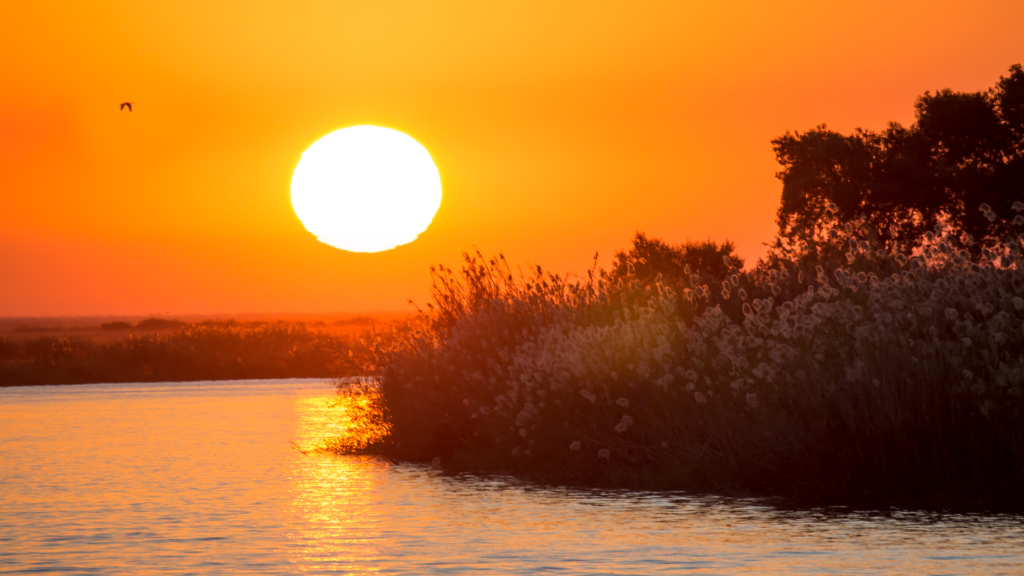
335,525
340,424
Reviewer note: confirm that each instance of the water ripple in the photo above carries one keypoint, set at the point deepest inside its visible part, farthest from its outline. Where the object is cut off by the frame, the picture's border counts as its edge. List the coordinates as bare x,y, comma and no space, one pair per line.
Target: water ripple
200,478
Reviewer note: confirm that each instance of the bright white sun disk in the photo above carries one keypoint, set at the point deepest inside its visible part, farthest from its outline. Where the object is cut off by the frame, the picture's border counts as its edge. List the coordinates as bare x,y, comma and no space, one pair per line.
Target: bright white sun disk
366,189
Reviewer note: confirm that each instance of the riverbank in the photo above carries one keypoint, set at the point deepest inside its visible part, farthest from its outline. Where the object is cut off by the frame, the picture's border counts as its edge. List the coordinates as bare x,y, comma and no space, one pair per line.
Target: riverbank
832,373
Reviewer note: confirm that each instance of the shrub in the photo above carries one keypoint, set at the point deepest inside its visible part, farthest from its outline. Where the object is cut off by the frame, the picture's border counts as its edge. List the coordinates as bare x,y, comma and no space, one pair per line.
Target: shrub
649,257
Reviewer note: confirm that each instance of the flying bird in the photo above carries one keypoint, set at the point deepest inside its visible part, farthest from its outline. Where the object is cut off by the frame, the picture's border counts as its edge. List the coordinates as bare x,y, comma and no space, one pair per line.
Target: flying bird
128,104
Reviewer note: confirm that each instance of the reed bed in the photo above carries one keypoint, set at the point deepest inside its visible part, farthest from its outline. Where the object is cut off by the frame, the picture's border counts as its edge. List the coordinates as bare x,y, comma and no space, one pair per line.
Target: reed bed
206,351
835,370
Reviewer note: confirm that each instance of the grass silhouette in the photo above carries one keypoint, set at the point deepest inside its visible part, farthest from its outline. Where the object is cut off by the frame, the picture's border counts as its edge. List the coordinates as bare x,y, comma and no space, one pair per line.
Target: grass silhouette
184,351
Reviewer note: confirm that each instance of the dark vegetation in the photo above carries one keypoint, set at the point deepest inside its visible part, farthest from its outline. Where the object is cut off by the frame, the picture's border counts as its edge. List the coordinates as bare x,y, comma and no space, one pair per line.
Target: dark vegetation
964,150
147,324
649,257
181,351
876,353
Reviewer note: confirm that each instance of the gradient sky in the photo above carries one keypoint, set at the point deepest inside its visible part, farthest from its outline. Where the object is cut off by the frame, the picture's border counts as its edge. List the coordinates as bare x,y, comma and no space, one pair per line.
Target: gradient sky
558,128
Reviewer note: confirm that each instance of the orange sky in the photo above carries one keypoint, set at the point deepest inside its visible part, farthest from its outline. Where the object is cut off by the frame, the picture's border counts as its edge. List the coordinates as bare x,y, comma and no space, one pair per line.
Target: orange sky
558,128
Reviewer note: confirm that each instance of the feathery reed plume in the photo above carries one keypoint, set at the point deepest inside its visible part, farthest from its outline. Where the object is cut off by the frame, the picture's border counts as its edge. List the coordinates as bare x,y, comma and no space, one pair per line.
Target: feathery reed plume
852,372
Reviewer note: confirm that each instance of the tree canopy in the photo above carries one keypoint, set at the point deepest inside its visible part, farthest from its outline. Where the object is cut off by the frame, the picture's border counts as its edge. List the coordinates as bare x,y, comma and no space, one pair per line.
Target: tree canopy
965,149
649,257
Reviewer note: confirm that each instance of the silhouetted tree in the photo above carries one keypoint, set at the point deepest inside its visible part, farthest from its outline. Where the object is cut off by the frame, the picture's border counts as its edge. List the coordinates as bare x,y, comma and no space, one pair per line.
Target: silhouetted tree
965,149
652,256
115,326
159,324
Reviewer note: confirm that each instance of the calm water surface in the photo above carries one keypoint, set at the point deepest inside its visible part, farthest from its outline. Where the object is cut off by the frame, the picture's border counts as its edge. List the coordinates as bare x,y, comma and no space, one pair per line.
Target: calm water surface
201,478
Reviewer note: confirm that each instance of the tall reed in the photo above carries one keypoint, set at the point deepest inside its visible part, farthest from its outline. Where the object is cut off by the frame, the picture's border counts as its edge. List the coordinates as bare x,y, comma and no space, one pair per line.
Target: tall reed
832,371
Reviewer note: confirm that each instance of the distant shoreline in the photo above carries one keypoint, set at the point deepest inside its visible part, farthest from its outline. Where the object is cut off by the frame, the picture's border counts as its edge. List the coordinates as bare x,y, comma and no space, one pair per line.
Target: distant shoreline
146,382
168,350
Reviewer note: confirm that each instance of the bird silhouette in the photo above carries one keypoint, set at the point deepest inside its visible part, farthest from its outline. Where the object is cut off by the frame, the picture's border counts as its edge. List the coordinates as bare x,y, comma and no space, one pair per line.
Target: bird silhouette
128,104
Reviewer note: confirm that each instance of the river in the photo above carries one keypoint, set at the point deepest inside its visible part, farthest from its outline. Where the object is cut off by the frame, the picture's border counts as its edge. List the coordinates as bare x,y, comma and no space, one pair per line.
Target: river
203,478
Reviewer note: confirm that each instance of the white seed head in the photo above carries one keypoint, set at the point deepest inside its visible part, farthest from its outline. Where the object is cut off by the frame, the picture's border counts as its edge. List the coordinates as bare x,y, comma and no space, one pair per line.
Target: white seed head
752,400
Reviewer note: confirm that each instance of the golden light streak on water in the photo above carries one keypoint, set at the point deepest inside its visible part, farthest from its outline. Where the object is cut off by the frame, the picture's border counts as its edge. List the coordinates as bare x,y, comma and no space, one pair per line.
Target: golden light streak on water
331,496
337,423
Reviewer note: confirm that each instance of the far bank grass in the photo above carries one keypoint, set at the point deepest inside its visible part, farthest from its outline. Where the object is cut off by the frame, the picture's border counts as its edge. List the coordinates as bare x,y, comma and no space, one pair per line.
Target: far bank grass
204,351
831,373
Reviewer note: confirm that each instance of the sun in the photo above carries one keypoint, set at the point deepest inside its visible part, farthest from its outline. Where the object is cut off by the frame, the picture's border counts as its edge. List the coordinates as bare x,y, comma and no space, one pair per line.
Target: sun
366,189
